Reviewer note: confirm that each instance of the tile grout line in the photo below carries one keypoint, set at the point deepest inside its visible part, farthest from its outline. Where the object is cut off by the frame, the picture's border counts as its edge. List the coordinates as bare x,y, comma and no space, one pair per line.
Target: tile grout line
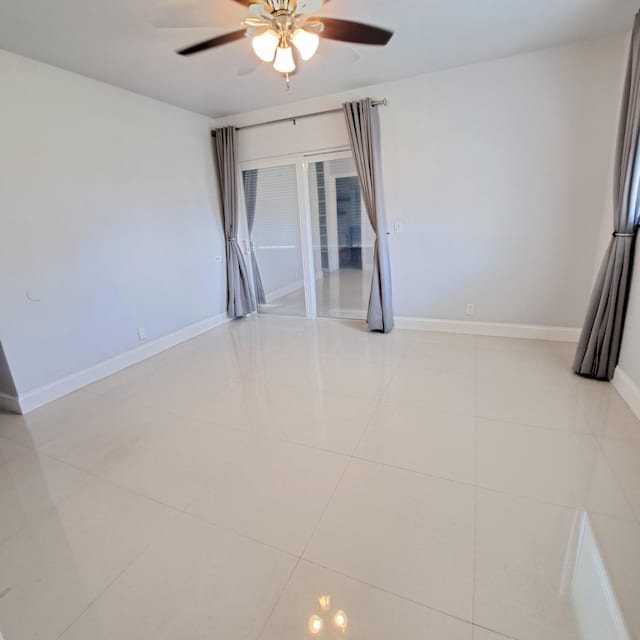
277,600
47,513
105,589
176,510
351,458
193,516
497,633
304,549
91,475
319,520
387,591
537,426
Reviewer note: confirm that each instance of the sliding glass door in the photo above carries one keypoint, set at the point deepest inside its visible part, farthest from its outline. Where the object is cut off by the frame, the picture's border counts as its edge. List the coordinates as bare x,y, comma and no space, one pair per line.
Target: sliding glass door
309,240
342,239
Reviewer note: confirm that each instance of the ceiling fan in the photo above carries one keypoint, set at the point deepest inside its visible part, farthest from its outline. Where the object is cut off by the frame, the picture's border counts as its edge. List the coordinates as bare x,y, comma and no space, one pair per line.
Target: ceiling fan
275,25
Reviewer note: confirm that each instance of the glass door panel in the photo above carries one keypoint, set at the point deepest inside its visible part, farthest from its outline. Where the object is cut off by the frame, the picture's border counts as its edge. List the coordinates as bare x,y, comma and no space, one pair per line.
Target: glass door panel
273,225
342,239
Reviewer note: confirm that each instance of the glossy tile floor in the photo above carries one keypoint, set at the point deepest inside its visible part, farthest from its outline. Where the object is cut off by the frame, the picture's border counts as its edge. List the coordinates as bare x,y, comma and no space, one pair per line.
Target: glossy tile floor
256,481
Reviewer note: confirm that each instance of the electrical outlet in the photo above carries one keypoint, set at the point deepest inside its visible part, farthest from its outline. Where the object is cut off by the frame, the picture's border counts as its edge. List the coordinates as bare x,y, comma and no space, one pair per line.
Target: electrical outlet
470,310
142,333
398,227
218,258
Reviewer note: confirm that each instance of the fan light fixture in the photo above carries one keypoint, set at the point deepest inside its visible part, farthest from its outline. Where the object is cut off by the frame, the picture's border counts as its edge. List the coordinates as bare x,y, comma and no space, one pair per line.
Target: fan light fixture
306,43
284,62
265,45
283,32
275,28
277,44
270,45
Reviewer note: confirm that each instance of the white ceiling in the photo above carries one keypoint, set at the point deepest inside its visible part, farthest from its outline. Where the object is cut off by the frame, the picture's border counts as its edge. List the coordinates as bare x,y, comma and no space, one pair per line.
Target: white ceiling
116,41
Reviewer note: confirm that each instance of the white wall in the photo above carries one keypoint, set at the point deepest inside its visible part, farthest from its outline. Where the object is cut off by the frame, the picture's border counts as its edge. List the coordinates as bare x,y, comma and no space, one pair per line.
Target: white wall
109,218
498,172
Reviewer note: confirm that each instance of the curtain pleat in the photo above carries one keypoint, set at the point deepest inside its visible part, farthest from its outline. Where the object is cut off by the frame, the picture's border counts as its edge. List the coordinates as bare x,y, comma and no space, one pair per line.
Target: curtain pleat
364,133
239,299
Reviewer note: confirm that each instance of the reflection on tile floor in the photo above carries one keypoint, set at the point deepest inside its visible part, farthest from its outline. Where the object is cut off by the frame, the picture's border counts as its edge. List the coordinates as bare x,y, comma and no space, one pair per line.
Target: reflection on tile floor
343,293
287,479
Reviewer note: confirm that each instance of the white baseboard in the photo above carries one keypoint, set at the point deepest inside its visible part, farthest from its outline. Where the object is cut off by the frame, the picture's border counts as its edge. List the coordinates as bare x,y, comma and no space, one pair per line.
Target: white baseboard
495,329
43,395
9,403
628,389
38,397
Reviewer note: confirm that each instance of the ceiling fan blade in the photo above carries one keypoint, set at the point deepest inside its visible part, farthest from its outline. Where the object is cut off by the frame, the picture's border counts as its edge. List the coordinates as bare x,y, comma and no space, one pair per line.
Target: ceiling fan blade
258,9
213,42
357,32
337,54
310,6
248,65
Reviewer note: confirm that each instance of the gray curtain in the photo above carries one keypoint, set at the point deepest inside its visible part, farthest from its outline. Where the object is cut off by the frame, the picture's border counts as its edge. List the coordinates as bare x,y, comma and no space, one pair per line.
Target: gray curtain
239,298
364,133
599,346
250,183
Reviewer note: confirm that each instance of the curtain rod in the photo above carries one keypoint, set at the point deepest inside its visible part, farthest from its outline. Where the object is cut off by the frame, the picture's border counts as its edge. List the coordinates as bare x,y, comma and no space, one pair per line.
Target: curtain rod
375,103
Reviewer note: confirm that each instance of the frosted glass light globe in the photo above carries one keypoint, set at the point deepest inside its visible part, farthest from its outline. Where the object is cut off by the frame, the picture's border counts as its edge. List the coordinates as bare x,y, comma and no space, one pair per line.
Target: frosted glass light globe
265,45
306,43
284,60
